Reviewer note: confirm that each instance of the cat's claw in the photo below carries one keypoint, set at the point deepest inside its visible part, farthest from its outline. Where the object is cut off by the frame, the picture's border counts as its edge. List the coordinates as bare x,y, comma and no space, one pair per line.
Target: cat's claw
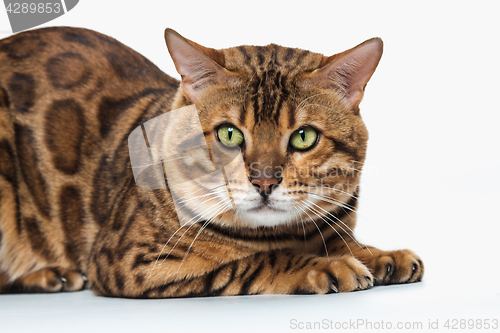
73,281
369,280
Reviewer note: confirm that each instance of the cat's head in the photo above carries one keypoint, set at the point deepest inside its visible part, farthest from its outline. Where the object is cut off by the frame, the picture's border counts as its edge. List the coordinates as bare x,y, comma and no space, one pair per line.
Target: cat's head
294,115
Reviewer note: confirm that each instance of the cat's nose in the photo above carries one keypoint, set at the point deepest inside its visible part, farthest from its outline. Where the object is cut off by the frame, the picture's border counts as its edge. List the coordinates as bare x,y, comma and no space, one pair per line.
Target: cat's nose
265,185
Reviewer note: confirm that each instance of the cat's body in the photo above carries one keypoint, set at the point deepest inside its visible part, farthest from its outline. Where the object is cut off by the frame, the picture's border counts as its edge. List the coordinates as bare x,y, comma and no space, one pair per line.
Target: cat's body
69,98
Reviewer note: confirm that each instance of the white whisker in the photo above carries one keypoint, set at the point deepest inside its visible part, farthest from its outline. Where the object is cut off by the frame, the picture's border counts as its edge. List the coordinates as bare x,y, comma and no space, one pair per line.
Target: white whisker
168,241
207,198
302,221
319,230
344,205
215,207
350,234
158,257
321,217
224,207
335,201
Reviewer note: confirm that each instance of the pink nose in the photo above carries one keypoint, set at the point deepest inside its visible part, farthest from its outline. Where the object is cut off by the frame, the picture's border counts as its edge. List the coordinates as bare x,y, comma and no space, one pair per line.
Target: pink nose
265,185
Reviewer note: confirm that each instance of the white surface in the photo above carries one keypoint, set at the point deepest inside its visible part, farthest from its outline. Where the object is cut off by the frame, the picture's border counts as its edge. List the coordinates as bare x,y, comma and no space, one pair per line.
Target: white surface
431,179
83,312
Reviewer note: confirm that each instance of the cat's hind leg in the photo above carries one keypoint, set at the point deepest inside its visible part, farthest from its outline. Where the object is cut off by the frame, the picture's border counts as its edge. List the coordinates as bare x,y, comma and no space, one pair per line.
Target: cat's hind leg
47,280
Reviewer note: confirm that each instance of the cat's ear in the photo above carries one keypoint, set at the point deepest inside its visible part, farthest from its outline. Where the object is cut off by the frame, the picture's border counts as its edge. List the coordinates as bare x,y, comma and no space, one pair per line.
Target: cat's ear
349,71
198,66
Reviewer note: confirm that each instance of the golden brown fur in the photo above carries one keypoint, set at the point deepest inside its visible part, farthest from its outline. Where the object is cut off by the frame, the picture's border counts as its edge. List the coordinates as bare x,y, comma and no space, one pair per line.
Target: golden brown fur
69,205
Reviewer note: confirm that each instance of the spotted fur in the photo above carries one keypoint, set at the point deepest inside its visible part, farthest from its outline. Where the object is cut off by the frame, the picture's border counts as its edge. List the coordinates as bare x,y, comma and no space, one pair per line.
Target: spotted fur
71,211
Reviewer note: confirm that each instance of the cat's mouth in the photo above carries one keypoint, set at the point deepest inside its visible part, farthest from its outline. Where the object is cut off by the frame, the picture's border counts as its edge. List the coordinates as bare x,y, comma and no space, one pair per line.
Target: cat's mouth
265,208
265,214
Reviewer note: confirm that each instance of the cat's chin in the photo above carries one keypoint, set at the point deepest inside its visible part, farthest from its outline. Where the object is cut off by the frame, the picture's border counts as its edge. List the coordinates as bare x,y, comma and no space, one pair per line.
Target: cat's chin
265,216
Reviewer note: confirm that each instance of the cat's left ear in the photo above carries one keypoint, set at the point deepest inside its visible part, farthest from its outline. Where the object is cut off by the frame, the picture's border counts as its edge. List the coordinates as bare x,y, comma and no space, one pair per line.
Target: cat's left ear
349,72
198,66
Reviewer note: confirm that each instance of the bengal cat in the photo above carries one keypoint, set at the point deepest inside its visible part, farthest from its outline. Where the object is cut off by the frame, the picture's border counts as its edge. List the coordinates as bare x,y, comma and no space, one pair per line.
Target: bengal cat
71,214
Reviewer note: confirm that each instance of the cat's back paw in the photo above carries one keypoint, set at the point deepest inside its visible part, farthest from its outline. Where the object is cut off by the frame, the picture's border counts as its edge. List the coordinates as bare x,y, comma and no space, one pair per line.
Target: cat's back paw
49,280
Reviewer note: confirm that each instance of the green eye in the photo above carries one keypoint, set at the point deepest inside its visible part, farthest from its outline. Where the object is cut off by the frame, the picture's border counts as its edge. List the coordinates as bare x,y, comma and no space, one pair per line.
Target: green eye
303,138
230,136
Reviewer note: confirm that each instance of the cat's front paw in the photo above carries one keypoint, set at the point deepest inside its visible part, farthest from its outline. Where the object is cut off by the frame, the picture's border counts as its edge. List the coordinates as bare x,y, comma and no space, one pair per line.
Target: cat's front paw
342,274
395,267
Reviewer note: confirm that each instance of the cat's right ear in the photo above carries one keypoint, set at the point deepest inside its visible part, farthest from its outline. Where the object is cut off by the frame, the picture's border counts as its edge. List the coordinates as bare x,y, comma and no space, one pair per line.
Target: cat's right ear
198,66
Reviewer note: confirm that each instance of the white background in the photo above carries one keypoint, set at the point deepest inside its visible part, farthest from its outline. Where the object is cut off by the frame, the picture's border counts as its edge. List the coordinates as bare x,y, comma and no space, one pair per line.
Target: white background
431,179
